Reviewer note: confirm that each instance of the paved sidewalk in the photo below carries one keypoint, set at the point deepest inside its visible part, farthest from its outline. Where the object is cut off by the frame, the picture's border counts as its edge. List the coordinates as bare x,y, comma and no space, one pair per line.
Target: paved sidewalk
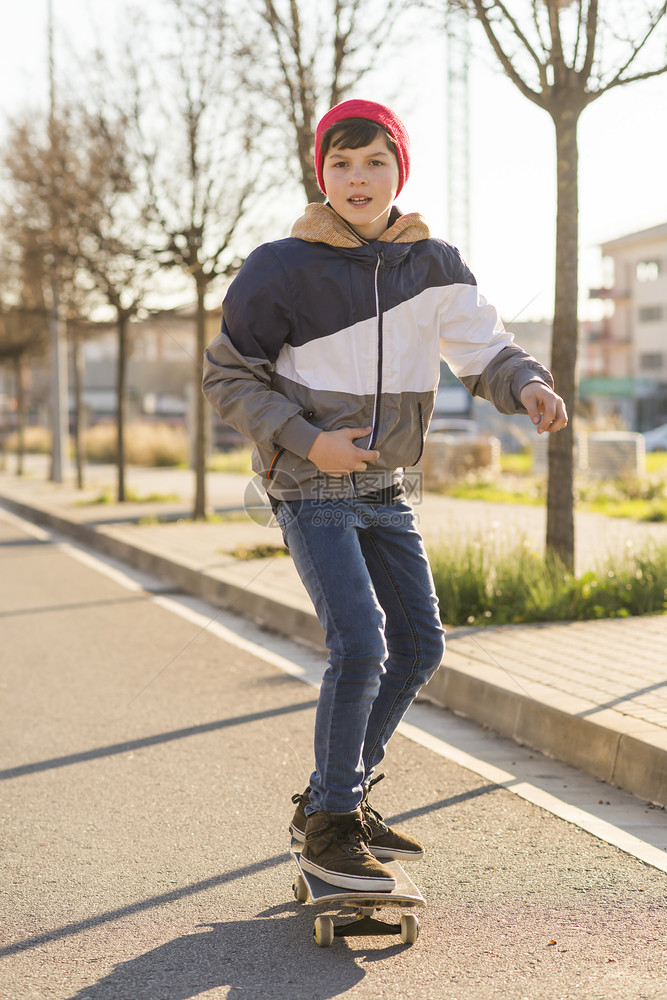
593,694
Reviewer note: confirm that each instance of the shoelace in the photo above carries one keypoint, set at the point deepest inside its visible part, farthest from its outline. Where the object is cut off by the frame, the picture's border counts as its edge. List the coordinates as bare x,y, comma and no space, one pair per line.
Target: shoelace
354,833
368,808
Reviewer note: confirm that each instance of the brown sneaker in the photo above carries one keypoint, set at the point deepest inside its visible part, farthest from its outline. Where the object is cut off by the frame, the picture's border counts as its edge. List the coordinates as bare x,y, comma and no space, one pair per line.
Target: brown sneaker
383,841
298,825
335,851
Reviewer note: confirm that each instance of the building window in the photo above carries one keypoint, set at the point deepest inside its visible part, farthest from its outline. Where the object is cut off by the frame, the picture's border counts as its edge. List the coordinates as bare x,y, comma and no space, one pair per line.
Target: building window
650,314
650,362
648,270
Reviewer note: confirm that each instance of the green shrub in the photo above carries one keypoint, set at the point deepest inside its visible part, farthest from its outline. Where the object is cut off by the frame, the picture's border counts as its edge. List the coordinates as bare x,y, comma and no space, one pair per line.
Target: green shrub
480,584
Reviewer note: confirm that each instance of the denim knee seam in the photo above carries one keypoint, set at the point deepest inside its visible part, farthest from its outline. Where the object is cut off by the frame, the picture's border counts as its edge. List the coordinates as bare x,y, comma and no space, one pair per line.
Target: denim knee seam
417,652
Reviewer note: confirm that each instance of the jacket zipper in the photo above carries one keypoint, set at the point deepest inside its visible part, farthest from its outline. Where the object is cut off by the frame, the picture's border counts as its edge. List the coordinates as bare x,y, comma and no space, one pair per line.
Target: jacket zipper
378,384
272,467
421,433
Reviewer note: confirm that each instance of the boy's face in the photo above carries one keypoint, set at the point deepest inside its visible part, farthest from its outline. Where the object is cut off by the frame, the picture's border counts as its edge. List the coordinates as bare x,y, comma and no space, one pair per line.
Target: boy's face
361,185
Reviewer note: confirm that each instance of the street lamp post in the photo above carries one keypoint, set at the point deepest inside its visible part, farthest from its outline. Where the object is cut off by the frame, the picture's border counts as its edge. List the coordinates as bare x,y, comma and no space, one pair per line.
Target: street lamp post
57,332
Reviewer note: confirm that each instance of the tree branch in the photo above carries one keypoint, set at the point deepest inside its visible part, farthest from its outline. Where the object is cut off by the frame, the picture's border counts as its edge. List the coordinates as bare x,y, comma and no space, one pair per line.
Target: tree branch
618,80
538,31
482,14
524,41
557,57
591,39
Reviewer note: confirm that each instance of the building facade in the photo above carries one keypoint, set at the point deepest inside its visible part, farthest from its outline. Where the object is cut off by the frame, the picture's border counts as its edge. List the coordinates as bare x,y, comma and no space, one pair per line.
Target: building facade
624,357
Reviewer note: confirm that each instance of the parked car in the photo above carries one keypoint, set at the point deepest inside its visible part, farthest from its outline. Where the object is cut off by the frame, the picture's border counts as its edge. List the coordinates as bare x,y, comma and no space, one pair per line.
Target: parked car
656,439
453,425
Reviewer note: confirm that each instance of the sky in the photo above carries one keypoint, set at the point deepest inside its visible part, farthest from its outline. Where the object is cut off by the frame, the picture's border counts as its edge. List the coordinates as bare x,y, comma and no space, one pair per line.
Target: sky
622,145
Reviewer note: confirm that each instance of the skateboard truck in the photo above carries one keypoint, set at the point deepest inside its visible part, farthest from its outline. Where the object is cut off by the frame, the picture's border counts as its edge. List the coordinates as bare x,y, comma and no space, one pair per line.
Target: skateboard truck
365,923
308,888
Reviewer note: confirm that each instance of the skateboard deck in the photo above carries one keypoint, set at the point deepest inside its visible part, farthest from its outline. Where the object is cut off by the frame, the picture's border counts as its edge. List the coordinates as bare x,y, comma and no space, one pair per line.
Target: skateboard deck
310,889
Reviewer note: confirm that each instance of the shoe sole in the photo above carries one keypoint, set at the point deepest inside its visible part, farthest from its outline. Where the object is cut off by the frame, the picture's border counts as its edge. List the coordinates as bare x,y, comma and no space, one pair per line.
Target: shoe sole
357,883
397,855
377,852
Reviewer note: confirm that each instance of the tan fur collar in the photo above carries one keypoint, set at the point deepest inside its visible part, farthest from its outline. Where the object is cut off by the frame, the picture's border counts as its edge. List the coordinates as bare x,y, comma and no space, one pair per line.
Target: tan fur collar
320,224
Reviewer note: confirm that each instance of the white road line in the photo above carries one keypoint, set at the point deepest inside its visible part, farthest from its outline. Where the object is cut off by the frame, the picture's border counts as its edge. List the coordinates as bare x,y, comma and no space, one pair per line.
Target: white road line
525,790
95,562
309,671
214,627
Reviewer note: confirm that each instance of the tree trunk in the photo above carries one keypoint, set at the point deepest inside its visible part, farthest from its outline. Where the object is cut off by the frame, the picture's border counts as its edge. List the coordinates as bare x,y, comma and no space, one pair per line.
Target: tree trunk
200,429
121,403
79,410
560,492
306,145
20,415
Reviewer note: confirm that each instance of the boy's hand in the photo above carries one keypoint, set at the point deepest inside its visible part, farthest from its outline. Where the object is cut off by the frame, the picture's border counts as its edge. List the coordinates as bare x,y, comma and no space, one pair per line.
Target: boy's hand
545,408
335,453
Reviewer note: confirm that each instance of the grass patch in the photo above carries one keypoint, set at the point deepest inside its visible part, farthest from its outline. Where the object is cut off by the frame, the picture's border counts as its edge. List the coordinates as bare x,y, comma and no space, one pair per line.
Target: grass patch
498,491
477,585
639,499
238,460
642,499
636,510
265,551
656,463
517,464
109,496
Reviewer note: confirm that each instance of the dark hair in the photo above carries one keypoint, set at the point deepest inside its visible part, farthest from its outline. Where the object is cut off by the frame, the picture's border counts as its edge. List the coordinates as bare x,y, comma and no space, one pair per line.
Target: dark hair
353,133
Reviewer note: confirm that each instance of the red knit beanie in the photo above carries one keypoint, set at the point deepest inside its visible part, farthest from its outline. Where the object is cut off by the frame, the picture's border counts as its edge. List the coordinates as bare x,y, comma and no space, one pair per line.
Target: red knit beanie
373,112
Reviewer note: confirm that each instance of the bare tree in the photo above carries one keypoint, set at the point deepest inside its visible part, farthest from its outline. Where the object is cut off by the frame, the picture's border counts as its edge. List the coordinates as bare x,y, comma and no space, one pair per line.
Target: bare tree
108,243
98,242
319,52
562,55
198,139
23,318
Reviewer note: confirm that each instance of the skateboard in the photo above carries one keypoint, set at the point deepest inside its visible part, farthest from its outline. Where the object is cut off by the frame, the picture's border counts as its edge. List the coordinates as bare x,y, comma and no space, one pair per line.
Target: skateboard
310,889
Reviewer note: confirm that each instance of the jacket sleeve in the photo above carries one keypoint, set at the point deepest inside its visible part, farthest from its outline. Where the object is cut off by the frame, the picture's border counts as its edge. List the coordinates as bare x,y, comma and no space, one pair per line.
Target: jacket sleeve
239,363
478,348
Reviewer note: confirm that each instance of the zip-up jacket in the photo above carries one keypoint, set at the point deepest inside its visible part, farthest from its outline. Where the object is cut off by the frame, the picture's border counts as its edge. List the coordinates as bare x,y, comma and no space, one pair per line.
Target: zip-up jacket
323,330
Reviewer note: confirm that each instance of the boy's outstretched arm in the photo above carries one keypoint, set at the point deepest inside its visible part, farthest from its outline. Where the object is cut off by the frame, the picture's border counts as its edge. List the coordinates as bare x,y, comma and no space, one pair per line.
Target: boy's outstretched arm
545,407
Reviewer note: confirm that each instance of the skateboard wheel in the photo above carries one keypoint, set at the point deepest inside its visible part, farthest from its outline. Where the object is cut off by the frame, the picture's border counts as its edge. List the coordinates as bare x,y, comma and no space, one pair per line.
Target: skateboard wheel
300,889
323,931
409,928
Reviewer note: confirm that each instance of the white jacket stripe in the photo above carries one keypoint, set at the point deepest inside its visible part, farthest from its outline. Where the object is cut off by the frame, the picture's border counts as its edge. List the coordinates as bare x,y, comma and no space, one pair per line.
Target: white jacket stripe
346,361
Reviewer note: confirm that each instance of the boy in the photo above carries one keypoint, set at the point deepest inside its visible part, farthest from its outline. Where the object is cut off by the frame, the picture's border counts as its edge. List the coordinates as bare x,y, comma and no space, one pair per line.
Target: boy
328,360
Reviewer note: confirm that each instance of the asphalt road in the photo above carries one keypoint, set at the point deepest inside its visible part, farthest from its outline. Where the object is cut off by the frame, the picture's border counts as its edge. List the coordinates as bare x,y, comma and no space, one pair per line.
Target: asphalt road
147,767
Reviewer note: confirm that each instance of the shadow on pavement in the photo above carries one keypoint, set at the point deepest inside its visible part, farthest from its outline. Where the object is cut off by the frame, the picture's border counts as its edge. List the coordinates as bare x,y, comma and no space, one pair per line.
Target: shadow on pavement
271,958
49,609
142,906
150,741
453,800
626,696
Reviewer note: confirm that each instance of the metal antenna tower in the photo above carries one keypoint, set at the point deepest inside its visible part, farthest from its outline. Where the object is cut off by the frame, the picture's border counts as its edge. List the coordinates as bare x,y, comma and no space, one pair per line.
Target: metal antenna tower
458,129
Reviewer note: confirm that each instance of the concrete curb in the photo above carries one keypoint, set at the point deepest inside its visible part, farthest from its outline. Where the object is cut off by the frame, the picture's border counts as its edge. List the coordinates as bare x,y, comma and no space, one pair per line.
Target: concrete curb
610,746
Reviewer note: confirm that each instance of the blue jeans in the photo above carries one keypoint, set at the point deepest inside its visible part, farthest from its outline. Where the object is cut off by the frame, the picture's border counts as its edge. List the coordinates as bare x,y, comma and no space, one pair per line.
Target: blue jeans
367,574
